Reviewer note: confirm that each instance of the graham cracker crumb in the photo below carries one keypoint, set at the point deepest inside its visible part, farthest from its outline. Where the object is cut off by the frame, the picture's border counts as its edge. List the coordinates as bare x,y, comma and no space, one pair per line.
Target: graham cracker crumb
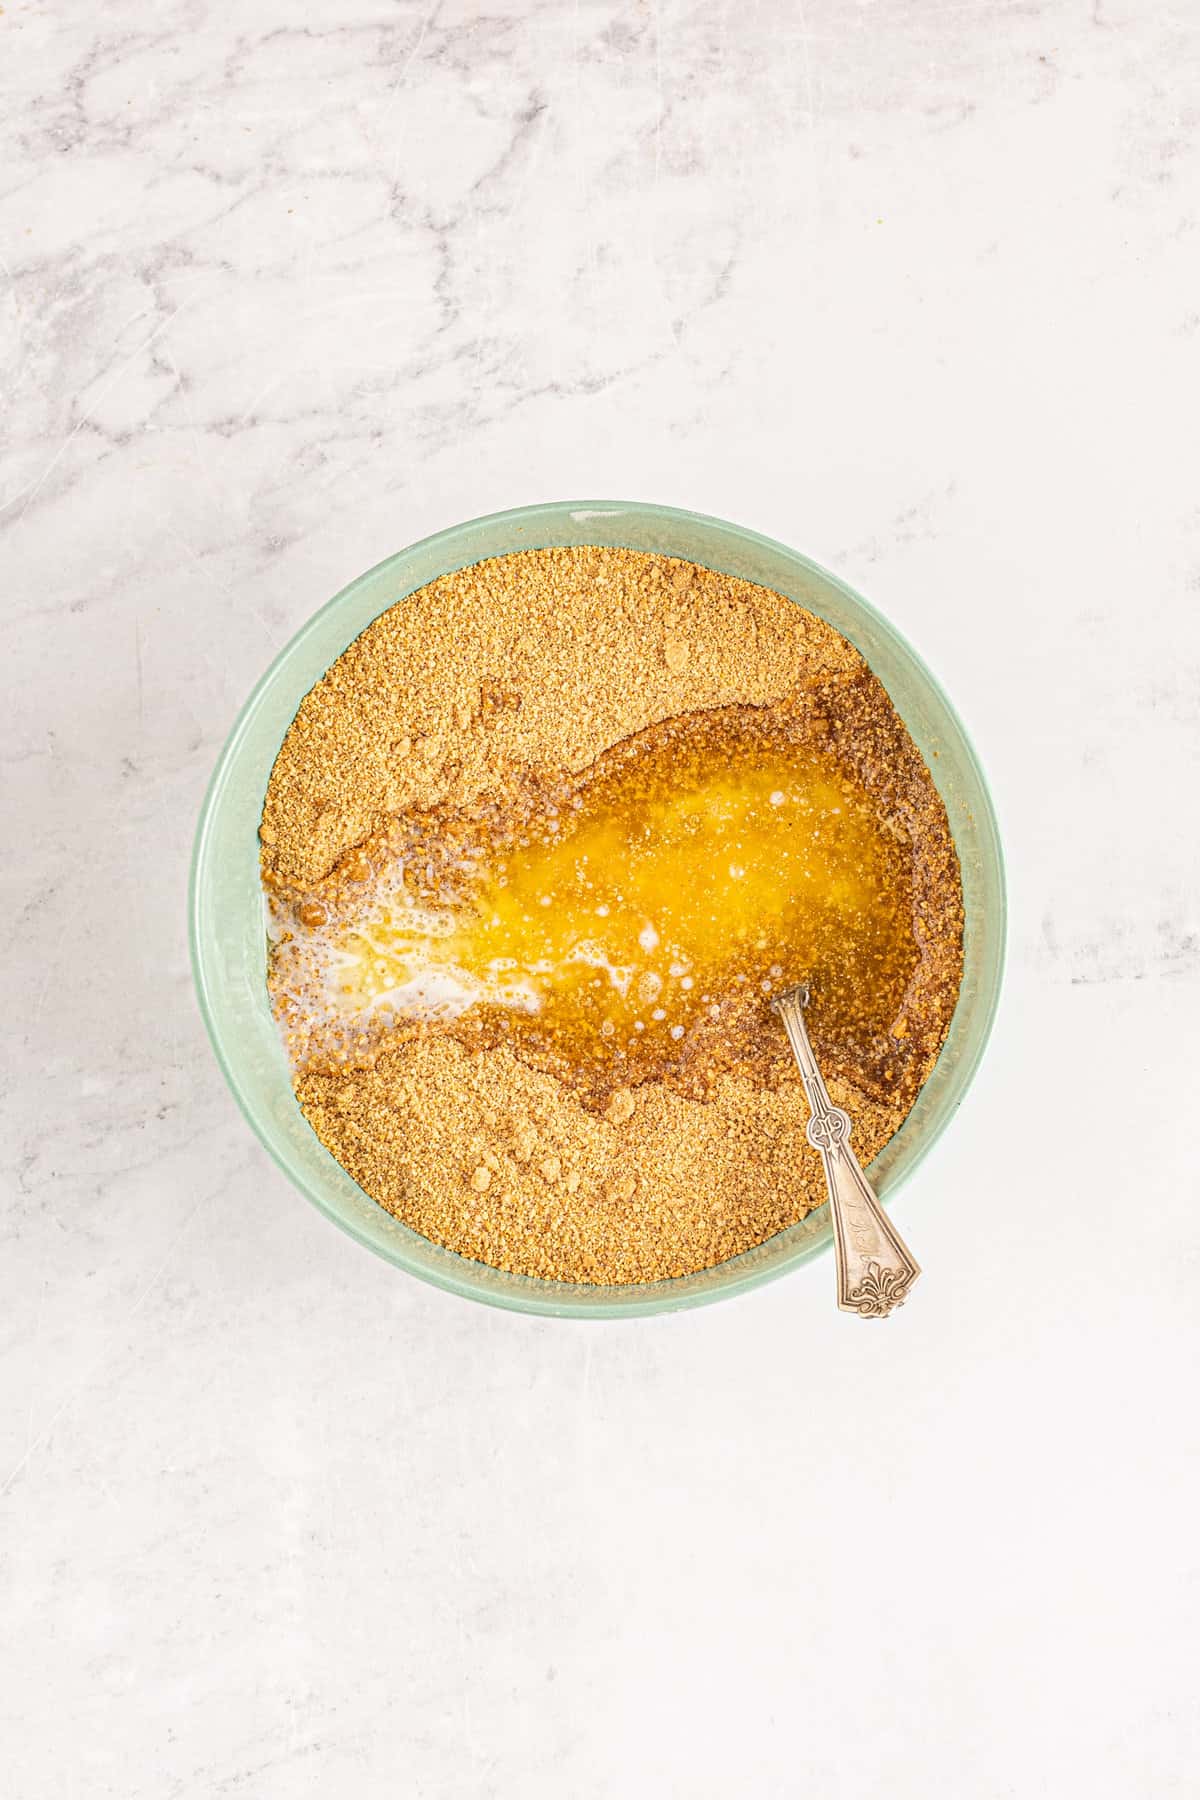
620,1108
546,660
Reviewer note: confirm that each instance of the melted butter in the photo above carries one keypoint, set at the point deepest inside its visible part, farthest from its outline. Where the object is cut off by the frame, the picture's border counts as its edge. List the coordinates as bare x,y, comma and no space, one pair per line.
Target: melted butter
692,876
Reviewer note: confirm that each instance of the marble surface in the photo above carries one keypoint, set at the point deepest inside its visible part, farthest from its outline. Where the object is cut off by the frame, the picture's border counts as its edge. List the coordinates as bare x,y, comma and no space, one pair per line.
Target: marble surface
910,286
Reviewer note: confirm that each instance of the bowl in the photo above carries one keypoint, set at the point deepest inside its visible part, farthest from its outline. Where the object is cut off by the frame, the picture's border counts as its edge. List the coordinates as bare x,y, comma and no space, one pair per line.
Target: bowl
227,925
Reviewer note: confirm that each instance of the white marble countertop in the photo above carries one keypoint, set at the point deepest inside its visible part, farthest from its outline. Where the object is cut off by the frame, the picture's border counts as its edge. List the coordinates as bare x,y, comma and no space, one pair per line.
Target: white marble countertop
912,287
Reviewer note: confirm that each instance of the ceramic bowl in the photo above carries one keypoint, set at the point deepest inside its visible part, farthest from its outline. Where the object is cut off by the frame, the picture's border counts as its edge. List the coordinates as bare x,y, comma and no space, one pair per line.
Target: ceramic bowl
228,937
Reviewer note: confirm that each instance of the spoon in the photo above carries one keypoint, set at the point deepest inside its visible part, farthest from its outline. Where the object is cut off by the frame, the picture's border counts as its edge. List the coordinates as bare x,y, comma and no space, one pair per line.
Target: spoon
874,1267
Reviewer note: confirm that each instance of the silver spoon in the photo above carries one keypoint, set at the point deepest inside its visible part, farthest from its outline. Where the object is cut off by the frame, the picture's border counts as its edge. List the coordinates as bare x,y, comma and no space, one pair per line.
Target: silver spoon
874,1267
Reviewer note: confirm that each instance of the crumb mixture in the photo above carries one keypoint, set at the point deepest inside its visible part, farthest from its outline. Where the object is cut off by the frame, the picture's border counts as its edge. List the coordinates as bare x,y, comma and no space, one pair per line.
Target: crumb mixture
539,849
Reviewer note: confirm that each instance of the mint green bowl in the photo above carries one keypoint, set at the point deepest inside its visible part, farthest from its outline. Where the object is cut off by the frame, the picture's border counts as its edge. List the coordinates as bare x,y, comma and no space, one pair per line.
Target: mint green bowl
228,939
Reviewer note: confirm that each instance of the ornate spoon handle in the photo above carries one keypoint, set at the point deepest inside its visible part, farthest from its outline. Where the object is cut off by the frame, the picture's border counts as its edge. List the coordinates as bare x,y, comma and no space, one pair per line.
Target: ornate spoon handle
875,1269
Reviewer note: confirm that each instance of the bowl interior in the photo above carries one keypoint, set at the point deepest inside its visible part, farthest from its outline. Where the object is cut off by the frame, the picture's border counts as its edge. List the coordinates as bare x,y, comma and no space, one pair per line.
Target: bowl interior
227,922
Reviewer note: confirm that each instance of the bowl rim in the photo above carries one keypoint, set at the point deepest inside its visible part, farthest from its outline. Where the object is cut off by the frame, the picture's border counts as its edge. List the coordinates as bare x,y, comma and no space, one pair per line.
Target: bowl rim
542,1298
